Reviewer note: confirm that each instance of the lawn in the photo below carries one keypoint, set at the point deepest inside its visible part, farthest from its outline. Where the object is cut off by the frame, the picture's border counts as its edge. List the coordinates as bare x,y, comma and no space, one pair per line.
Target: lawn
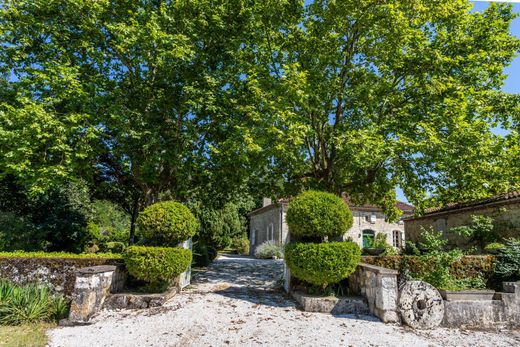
24,335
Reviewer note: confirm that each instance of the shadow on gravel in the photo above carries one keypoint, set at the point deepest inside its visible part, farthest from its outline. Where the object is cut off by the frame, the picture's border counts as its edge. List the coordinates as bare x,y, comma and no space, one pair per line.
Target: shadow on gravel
257,296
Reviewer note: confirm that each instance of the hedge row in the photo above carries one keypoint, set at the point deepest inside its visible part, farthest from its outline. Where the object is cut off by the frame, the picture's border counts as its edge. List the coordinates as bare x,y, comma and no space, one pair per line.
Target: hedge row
322,264
59,255
468,266
156,264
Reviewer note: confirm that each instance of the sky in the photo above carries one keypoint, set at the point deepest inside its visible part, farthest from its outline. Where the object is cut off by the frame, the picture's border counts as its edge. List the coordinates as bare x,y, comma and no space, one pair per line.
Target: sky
512,83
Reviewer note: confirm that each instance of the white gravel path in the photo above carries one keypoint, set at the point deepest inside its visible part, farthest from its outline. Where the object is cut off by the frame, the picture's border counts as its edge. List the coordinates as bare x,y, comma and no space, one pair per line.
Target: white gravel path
235,303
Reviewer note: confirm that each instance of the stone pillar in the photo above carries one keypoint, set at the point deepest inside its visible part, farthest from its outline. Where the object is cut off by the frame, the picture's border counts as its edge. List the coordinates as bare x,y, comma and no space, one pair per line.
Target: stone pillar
93,285
379,287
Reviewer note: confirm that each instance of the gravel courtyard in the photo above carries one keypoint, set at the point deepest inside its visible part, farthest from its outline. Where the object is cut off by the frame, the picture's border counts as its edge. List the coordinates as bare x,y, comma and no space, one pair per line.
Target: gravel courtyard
235,303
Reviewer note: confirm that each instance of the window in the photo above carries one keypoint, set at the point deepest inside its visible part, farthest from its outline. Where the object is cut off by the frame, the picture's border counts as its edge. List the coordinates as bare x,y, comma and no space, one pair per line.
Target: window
270,232
368,238
371,218
397,238
253,237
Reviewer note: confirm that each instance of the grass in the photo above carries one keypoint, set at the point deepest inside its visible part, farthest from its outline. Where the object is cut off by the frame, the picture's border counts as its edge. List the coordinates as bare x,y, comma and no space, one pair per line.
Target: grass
24,335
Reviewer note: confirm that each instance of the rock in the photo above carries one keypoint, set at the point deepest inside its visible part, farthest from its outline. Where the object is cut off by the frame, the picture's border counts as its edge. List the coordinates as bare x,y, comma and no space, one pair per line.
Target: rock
421,305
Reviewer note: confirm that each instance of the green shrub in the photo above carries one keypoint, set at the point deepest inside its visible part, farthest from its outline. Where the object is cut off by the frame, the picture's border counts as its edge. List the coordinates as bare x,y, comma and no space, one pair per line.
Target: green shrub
52,220
156,264
219,226
446,270
269,250
18,232
64,255
508,261
494,246
316,215
166,223
29,304
241,245
322,264
480,230
438,272
410,248
203,254
431,240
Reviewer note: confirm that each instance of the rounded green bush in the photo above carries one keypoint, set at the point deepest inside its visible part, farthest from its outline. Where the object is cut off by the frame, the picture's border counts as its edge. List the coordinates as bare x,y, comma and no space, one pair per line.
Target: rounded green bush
156,264
166,223
322,264
316,214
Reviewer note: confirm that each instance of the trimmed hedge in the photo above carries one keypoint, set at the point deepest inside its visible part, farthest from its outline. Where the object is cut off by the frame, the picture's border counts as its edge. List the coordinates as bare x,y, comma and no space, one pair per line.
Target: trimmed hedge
59,255
469,266
166,223
322,264
156,264
316,214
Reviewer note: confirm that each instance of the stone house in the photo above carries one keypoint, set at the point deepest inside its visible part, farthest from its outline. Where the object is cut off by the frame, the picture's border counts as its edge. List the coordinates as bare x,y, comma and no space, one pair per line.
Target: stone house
503,208
268,223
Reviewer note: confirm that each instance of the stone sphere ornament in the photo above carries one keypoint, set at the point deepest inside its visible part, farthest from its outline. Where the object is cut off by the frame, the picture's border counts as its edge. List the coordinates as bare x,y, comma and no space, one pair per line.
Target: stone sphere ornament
421,305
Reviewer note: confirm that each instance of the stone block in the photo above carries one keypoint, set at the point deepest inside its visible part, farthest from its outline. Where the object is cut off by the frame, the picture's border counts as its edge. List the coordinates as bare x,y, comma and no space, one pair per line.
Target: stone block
90,290
467,295
334,305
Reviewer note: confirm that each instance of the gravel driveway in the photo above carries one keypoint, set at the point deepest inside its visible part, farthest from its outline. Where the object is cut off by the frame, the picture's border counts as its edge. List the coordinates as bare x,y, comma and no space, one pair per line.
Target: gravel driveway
235,303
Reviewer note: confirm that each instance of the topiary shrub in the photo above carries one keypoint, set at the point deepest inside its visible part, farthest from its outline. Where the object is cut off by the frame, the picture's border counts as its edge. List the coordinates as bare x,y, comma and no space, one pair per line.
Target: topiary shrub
156,264
166,223
322,264
315,215
268,250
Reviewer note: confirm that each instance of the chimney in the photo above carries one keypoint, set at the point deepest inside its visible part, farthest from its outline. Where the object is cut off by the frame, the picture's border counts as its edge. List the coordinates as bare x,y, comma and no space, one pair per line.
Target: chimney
266,202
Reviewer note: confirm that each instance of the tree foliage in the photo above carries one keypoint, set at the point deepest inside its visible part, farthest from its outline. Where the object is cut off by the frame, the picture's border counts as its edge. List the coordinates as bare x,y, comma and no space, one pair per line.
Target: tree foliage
199,101
379,94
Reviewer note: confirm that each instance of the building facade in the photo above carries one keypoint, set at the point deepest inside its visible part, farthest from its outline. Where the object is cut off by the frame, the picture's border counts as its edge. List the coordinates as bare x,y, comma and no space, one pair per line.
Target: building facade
504,209
268,224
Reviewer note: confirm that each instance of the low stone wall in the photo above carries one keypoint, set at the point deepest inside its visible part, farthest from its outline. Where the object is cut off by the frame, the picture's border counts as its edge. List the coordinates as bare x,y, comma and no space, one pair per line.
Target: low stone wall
93,285
58,273
331,304
502,312
379,286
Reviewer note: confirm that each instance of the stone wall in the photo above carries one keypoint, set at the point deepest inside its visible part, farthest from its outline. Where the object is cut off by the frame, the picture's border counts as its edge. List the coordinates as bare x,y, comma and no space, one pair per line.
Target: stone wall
92,286
506,216
502,312
378,286
58,273
378,225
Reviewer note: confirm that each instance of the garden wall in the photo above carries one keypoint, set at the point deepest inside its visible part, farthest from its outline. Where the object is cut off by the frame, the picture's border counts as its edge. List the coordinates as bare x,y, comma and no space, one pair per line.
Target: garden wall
502,312
378,286
506,215
58,273
468,266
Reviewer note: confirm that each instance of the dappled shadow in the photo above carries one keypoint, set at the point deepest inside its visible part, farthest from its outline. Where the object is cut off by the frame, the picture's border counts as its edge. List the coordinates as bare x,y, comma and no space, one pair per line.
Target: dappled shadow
244,278
240,272
257,296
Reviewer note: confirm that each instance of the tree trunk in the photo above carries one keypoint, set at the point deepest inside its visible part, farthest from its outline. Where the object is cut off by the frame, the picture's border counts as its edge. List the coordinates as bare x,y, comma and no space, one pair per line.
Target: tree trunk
135,212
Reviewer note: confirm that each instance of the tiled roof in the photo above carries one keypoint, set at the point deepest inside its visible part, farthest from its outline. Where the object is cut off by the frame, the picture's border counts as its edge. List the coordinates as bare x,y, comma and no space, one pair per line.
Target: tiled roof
403,206
479,202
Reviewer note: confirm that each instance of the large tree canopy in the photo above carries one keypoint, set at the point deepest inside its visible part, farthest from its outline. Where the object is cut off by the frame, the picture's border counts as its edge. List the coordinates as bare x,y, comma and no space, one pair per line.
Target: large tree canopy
207,99
375,94
144,98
